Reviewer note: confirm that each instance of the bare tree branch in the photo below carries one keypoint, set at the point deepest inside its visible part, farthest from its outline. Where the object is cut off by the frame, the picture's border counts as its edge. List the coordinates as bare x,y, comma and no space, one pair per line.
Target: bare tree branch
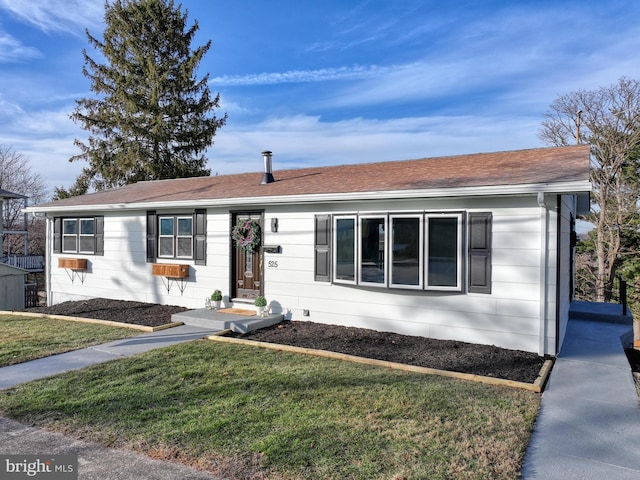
609,120
17,176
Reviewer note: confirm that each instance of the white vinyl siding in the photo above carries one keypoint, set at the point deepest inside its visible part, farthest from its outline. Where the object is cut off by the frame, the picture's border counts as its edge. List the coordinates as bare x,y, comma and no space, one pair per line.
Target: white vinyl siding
507,317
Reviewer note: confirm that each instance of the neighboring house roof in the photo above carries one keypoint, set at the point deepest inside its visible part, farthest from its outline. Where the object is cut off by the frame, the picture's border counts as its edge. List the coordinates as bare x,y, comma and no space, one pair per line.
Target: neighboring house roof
558,170
8,194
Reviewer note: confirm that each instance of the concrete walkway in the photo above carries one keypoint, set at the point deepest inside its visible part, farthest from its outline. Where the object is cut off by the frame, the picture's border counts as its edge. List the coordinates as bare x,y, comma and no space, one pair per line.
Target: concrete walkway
589,422
45,367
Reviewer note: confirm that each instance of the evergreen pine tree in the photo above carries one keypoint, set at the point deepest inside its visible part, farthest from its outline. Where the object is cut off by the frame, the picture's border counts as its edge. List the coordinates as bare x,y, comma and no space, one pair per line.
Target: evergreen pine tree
151,118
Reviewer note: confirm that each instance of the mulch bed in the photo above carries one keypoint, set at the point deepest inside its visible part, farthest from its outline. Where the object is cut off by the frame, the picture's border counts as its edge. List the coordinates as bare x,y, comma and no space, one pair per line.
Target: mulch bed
137,313
449,355
454,356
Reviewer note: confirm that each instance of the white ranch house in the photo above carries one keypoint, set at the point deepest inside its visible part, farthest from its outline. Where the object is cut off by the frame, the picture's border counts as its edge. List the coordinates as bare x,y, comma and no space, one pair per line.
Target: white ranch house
477,248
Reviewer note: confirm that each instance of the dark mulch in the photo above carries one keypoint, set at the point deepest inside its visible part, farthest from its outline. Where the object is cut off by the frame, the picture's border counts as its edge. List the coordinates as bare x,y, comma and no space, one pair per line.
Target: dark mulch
440,354
485,360
138,313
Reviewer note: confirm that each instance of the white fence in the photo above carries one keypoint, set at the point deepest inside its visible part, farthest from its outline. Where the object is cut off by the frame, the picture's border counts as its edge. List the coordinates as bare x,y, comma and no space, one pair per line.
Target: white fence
33,263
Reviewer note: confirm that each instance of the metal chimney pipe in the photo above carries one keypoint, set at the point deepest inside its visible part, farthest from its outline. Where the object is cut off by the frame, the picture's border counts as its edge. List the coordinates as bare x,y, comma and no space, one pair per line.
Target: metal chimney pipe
268,175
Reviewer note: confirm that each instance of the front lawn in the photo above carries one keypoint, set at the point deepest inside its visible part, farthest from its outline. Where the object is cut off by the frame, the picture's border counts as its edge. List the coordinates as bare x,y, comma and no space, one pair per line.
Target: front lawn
247,412
26,338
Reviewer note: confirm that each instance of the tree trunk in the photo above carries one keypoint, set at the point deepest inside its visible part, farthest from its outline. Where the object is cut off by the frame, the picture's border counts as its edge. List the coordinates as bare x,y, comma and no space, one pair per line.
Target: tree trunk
601,275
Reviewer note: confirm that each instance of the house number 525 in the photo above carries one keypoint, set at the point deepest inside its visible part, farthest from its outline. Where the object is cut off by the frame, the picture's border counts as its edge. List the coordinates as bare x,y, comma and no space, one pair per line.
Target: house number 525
272,264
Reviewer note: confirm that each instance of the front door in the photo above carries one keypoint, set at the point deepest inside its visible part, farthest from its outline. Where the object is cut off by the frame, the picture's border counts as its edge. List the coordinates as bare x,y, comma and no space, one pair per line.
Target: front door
247,265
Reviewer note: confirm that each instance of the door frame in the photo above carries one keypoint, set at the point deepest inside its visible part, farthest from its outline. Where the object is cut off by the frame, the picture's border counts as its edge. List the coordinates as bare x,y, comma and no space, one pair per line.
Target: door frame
233,215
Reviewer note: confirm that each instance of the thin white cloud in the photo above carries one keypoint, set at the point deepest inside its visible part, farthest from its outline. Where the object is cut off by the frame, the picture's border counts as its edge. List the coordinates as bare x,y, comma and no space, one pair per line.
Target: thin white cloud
71,16
45,123
12,50
552,52
302,76
8,110
45,137
48,155
495,53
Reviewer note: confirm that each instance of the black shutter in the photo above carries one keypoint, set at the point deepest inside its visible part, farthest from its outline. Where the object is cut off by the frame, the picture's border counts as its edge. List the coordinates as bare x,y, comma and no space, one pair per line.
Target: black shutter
480,252
151,236
200,238
99,235
323,248
57,234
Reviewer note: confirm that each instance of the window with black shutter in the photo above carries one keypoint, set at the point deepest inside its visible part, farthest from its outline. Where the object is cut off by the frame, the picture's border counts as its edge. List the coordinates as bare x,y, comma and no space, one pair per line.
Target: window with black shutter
84,235
180,236
422,251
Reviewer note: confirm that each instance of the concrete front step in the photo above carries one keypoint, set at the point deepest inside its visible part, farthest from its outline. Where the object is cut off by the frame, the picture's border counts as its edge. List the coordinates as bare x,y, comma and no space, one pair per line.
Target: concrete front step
226,321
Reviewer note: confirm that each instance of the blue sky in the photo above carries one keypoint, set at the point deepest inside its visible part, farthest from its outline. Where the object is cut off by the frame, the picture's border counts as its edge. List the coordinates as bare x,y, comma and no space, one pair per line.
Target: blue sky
326,82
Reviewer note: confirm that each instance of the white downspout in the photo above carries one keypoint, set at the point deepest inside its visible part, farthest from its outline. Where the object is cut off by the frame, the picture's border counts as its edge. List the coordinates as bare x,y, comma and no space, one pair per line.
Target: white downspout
47,258
544,257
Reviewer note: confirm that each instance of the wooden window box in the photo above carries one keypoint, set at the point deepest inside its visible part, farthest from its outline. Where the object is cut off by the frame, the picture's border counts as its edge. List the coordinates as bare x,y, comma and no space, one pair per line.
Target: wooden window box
170,270
73,263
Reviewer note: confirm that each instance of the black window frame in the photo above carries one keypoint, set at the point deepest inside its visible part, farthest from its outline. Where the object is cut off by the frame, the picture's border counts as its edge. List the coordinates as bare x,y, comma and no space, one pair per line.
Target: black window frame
472,261
96,236
198,236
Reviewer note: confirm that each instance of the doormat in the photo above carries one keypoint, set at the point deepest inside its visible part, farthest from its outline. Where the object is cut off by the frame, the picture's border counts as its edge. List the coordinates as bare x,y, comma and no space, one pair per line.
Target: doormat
238,311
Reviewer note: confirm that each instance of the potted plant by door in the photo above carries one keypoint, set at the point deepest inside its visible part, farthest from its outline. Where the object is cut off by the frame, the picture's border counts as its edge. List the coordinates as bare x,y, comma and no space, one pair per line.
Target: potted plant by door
216,298
261,303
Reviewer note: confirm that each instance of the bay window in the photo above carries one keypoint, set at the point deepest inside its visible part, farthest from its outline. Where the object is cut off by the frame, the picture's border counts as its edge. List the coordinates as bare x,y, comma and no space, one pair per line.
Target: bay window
409,251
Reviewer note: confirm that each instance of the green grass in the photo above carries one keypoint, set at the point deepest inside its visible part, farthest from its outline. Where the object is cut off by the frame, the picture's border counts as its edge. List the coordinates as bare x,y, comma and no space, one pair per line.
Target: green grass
26,338
246,412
